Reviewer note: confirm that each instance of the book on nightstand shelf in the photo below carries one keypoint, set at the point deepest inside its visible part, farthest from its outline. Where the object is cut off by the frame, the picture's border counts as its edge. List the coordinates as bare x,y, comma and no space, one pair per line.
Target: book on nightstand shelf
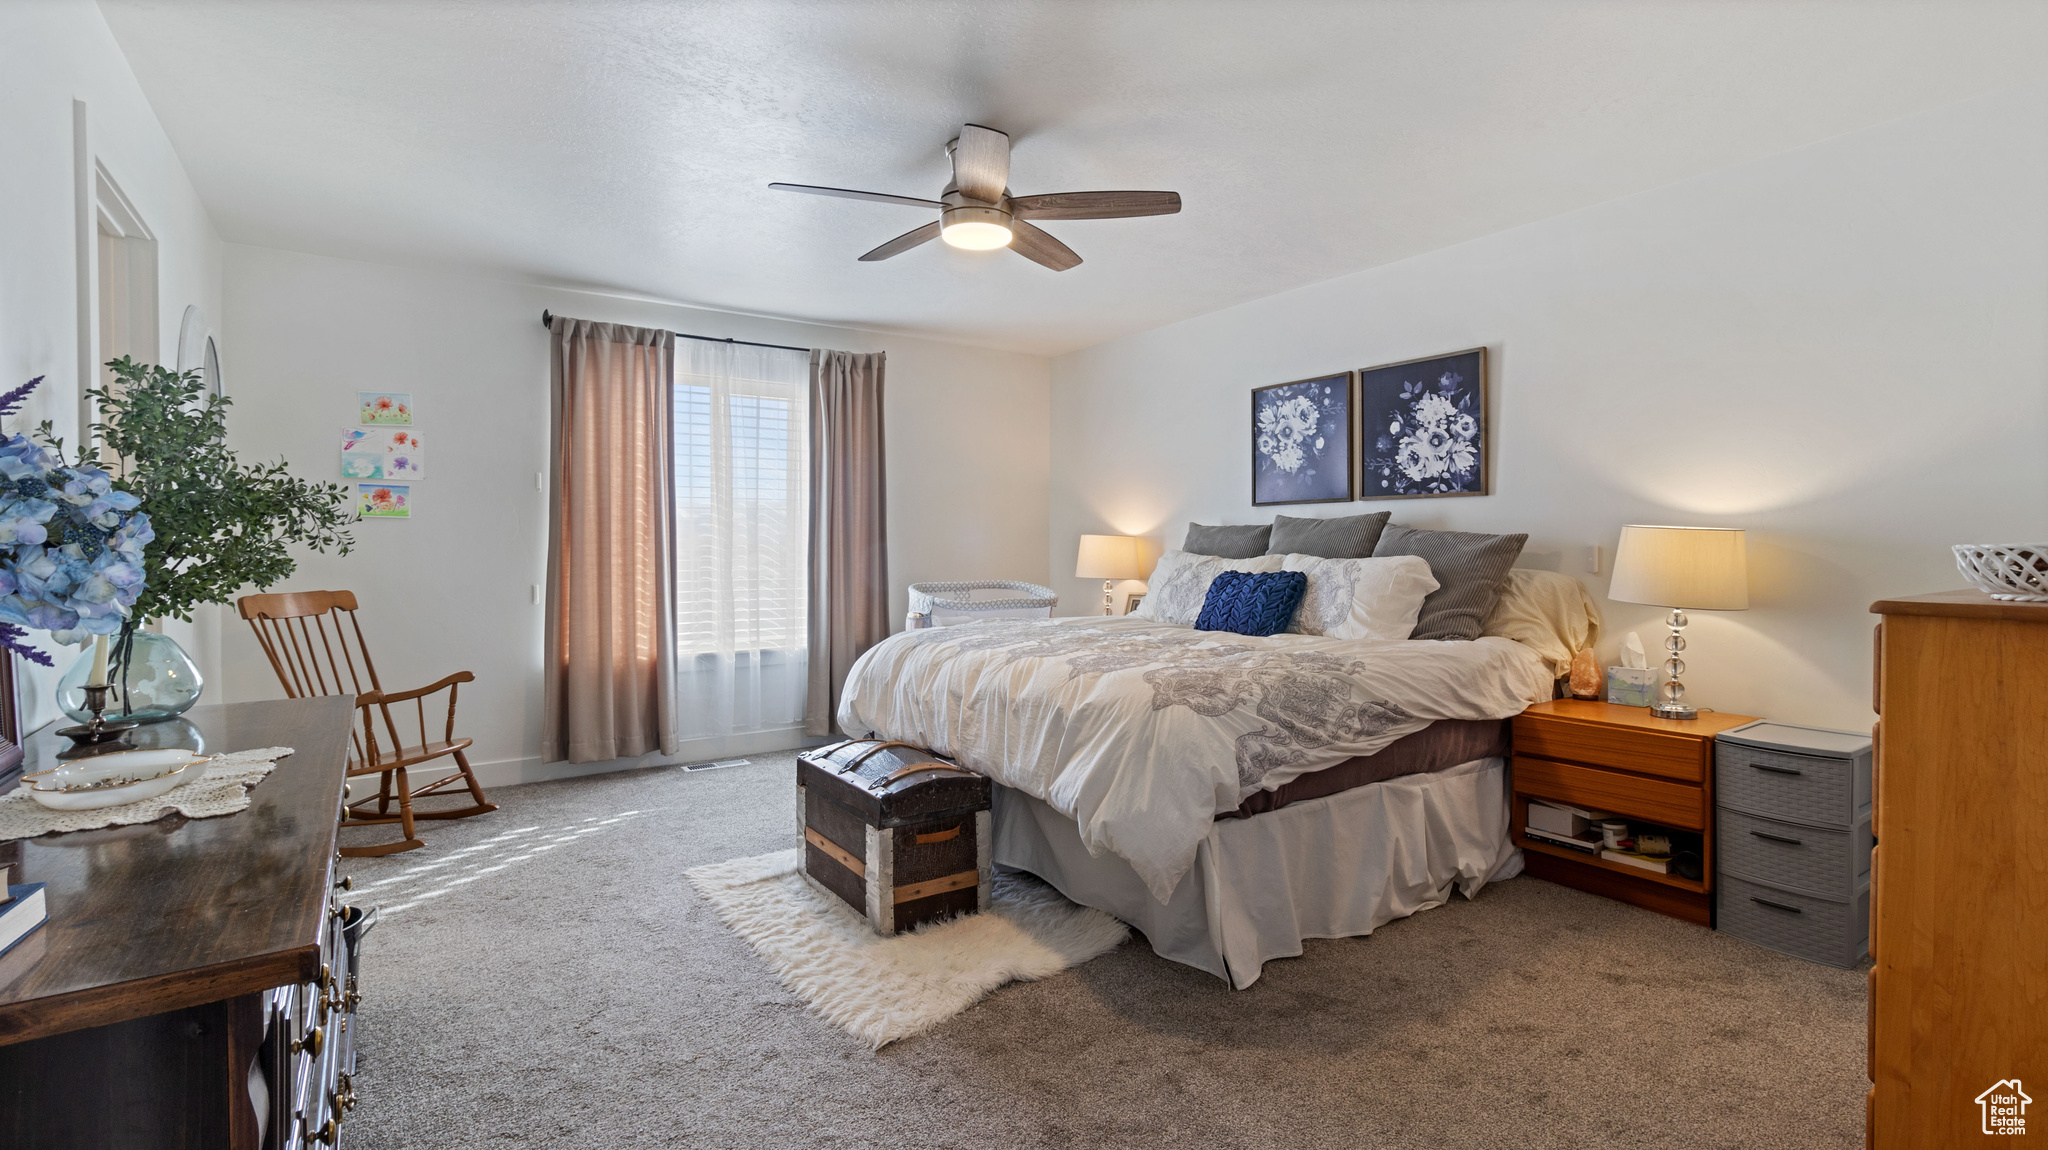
1585,846
21,911
1659,864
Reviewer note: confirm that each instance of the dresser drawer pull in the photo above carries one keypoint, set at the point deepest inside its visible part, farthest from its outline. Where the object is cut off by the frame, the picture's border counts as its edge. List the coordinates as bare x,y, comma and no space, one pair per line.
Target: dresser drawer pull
325,1135
1777,770
311,1044
1774,905
329,989
1778,839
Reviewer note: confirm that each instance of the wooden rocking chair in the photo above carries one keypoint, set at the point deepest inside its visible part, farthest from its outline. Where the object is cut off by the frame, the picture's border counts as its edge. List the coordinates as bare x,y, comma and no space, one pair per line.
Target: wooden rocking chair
309,660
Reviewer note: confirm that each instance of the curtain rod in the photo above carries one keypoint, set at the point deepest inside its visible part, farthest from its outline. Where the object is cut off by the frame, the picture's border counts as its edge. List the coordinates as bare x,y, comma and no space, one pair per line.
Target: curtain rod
547,320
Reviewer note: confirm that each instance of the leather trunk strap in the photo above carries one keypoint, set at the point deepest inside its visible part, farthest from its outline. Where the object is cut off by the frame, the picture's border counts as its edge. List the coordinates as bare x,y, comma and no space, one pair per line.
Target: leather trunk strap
864,756
914,768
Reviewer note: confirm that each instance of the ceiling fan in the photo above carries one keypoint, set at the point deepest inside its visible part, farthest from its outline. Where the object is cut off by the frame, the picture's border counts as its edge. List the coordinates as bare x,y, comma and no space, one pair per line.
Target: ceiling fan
978,213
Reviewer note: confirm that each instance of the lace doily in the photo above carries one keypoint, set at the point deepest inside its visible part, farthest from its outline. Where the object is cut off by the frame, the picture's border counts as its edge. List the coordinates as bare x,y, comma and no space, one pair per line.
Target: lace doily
222,790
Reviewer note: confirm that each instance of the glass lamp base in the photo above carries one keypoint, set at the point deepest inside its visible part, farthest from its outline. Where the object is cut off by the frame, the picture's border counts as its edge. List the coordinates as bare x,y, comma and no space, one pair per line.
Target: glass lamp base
1673,706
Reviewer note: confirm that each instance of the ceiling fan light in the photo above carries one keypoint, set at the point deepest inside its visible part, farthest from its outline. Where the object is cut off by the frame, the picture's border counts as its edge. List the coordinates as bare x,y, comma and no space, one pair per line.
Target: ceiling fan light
975,227
976,235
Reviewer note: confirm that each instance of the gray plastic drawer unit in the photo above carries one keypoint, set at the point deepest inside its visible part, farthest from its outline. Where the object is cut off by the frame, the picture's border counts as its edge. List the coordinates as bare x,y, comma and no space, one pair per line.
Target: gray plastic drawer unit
1793,838
1801,925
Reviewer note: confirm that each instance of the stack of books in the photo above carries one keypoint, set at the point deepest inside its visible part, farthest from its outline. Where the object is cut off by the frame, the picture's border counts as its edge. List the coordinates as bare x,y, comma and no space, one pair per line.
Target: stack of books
1573,828
21,911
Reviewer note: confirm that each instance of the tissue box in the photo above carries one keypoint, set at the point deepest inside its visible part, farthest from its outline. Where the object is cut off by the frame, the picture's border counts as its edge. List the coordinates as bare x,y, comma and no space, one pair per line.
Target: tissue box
1632,686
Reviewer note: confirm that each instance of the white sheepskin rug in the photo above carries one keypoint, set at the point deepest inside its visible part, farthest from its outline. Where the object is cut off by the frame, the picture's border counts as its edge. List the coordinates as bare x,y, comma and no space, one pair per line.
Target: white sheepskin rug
884,989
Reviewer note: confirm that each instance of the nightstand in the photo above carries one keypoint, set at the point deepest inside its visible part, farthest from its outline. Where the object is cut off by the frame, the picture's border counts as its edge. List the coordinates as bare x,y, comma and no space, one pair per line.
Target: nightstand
1628,761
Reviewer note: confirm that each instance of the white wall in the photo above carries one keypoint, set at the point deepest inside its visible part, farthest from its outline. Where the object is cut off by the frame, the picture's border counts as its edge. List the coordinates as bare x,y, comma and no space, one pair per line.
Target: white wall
1840,348
52,53
447,590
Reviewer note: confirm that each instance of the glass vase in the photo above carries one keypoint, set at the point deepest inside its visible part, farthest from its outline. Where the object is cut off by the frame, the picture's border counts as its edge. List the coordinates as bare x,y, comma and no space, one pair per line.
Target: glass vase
152,679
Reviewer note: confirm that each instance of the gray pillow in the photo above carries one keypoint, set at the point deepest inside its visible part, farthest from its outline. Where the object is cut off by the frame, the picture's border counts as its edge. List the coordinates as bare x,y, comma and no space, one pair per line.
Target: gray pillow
1345,537
1229,542
1471,568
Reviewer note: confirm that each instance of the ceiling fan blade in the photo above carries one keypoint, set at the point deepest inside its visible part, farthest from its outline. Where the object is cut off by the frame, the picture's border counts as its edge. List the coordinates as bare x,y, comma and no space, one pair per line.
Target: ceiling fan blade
1038,247
904,242
850,194
981,163
1095,205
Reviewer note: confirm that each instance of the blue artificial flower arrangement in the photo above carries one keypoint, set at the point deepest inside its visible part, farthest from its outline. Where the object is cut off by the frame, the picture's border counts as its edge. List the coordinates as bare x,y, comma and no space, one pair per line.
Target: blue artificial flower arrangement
71,545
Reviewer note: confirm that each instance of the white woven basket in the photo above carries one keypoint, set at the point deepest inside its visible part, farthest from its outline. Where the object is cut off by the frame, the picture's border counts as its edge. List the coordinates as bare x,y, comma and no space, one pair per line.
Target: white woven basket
925,597
944,604
2016,571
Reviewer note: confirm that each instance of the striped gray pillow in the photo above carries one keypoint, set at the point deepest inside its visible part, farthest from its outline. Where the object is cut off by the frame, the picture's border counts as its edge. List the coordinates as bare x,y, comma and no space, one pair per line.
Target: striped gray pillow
1470,570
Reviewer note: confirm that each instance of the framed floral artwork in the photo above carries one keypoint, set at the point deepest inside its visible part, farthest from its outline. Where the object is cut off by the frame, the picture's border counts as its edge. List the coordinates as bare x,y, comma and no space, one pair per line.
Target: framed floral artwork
1302,449
1423,428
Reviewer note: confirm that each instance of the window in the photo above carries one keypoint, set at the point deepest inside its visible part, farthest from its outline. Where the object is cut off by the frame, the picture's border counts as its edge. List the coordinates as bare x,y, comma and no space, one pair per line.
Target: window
741,490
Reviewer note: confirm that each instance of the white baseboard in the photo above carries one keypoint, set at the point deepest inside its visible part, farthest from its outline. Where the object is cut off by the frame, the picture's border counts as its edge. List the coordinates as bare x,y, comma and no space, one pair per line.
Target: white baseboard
513,772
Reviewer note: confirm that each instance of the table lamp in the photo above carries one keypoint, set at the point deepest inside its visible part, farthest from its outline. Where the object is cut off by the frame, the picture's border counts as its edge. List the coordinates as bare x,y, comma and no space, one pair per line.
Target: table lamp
1108,558
1702,568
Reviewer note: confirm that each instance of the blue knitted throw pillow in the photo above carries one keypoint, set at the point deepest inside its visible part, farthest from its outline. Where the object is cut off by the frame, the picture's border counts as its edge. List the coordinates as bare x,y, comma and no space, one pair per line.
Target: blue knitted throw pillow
1252,604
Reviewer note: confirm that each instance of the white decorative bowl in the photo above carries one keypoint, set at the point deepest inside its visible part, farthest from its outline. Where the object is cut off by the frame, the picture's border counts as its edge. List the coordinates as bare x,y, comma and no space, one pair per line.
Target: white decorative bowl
113,779
2016,571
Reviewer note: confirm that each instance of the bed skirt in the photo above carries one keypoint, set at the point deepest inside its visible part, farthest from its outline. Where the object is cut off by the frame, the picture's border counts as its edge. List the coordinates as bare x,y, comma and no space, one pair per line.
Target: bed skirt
1325,868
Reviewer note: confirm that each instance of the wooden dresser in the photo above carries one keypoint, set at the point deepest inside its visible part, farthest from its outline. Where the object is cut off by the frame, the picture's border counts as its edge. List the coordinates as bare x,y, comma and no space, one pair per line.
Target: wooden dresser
194,984
1959,938
1630,762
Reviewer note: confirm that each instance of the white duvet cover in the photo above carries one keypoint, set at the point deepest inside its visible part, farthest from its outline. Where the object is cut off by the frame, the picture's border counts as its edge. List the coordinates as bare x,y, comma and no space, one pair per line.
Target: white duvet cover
1144,732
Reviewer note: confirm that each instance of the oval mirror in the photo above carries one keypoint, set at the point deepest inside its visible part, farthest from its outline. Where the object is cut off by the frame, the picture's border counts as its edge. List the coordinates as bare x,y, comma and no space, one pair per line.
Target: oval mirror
197,350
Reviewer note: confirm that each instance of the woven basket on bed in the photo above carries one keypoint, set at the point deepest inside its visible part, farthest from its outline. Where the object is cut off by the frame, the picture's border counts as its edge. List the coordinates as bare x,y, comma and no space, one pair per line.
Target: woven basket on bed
2006,570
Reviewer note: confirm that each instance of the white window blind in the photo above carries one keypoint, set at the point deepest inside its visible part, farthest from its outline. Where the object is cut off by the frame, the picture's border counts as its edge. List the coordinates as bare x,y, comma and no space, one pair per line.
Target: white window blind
742,485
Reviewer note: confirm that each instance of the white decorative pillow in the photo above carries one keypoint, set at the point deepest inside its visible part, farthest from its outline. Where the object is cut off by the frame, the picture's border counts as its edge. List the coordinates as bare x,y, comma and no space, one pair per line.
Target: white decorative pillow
1548,612
1361,598
1181,581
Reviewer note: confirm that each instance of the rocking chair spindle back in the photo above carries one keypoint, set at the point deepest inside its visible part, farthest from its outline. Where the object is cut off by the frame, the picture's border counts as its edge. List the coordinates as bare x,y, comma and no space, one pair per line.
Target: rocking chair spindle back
315,644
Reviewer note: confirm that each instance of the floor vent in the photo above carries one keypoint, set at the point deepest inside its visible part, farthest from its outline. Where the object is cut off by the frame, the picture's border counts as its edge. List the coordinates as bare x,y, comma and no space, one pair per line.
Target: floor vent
718,764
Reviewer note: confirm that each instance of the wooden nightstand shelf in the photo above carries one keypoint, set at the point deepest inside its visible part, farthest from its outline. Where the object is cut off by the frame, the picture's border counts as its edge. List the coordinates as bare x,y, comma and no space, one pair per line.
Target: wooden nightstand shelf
1624,760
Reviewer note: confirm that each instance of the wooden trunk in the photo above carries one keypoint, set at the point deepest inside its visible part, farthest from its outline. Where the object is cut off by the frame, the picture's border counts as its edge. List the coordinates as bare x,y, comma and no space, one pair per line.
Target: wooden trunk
902,836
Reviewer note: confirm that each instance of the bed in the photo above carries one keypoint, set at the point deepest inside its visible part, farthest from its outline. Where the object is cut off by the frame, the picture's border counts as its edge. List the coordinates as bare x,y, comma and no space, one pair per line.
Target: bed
1228,795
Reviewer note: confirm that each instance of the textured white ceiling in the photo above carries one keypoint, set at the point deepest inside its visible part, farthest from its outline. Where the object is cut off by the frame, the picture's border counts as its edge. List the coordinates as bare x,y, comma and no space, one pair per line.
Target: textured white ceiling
627,146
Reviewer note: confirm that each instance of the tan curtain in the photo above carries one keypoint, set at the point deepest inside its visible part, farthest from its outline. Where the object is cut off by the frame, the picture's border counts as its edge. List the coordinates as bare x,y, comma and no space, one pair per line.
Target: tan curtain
610,677
849,608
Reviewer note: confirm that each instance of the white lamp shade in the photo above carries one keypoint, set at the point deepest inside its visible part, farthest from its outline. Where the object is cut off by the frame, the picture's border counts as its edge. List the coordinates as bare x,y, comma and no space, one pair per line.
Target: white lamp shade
1108,557
1696,568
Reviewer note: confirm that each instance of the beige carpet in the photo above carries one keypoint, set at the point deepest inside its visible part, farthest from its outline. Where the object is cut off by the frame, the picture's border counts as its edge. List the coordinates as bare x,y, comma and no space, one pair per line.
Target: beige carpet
546,977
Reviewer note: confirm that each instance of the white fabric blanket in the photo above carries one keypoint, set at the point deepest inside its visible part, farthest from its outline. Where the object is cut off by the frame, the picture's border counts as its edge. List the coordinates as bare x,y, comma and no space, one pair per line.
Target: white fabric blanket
1144,732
